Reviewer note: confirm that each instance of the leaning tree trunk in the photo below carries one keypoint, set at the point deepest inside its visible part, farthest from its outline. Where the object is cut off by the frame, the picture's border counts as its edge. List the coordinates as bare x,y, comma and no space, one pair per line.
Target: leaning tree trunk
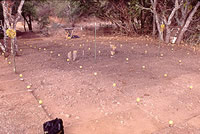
169,20
187,23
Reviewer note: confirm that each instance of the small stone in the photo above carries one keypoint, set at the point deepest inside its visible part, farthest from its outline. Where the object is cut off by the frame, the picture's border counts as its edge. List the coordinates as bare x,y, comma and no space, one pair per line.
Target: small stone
68,115
77,117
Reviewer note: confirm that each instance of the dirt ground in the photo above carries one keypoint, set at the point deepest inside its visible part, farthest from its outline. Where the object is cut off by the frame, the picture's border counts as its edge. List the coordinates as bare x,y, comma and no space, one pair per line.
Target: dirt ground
100,97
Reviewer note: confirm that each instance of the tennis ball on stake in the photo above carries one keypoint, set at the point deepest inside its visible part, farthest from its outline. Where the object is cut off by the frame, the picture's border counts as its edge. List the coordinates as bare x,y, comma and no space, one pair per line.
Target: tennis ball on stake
143,67
191,87
58,55
81,67
126,59
165,75
179,61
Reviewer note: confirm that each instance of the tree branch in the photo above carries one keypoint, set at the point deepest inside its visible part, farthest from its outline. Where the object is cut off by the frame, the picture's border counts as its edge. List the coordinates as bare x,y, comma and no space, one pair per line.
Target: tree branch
19,11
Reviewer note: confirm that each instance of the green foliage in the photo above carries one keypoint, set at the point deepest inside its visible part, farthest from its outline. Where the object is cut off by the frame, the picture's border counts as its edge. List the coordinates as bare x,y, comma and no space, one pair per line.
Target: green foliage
29,8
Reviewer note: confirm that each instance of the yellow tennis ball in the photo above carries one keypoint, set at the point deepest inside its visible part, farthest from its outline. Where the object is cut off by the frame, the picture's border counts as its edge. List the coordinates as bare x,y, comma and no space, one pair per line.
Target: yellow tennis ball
191,87
143,67
81,67
179,61
9,62
28,87
40,102
171,122
20,75
138,99
114,84
67,59
58,55
126,59
165,75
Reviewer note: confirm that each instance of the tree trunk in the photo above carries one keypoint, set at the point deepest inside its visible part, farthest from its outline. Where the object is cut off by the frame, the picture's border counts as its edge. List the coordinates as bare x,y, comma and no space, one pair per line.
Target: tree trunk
187,23
30,23
154,4
169,20
168,33
23,15
154,26
24,25
10,21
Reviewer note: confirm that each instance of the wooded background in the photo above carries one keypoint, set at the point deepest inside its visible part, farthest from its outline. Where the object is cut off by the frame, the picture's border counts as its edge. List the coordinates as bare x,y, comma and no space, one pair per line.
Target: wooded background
169,20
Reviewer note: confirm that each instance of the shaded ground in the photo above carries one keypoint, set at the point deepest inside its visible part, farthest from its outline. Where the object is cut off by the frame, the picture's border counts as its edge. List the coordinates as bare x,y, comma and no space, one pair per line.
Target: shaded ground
90,104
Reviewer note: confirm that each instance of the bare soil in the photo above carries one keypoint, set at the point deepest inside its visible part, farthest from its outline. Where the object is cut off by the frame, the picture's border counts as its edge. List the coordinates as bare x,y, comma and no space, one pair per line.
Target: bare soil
86,99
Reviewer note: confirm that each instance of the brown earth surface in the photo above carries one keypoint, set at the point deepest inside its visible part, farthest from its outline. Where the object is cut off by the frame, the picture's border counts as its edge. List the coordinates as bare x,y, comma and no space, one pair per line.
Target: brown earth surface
86,99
